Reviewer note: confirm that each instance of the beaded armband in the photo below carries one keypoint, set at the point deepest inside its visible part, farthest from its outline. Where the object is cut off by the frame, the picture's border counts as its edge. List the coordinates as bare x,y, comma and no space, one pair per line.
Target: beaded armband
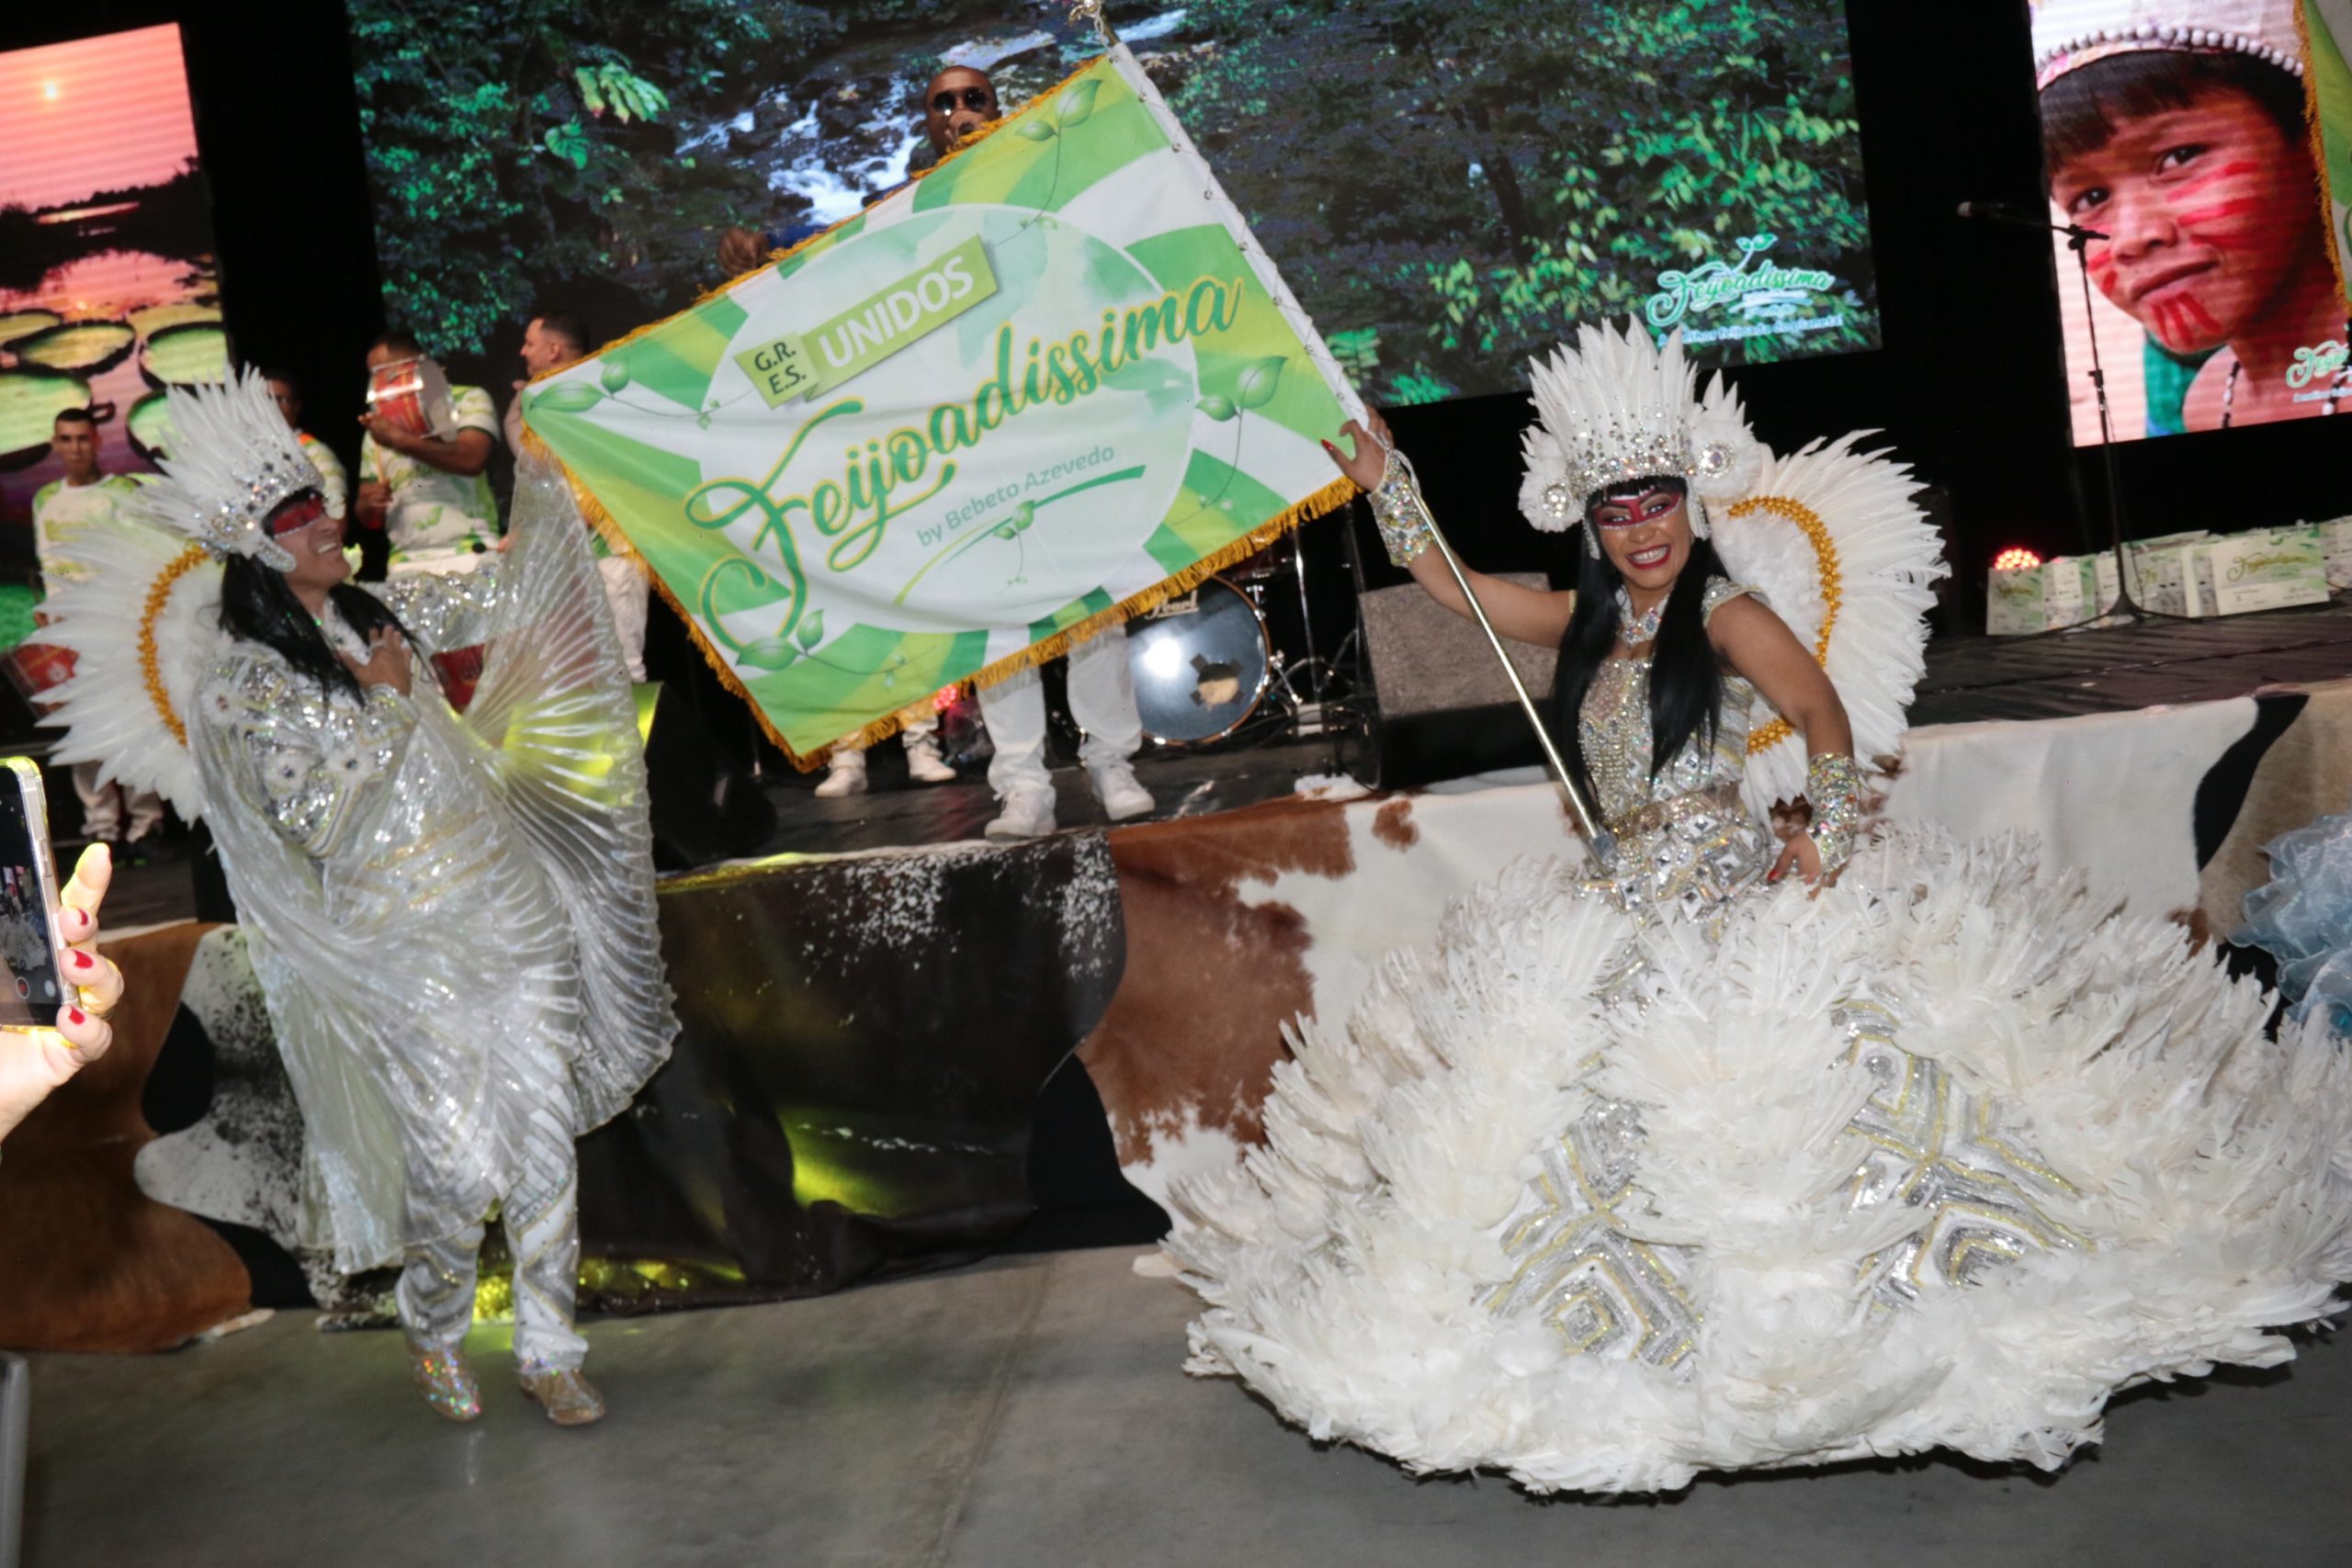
1396,506
1833,787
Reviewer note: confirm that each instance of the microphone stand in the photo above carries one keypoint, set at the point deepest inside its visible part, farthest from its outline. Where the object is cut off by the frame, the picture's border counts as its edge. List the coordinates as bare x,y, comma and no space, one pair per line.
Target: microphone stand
2078,240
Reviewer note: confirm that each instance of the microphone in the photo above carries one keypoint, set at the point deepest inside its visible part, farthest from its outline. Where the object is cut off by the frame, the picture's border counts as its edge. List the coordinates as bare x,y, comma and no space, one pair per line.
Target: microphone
2018,218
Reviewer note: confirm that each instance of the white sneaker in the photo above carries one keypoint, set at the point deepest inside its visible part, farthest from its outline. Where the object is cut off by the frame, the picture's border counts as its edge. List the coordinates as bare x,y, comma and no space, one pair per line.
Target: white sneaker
845,774
1122,796
1028,814
924,765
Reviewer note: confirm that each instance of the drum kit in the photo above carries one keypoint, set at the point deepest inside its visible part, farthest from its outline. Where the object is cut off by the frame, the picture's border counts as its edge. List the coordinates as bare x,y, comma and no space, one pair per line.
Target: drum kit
1206,663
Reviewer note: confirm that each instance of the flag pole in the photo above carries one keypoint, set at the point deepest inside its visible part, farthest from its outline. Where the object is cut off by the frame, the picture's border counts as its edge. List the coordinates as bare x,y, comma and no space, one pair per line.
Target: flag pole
1091,12
1600,839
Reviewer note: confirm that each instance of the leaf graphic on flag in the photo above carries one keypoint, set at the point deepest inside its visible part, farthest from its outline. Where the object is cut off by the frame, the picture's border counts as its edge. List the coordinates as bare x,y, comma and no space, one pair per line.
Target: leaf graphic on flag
1256,388
572,396
1078,103
769,653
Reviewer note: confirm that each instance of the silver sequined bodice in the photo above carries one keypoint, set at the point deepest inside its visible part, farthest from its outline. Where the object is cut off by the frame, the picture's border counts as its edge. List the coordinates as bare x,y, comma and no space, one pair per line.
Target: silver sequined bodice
1683,836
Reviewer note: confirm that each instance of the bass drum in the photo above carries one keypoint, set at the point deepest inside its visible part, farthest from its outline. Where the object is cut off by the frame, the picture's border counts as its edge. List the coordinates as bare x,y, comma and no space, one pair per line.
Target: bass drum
1201,664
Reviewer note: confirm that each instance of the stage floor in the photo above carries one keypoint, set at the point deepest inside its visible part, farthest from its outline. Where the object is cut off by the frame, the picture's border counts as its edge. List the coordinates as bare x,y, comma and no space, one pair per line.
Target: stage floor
1031,1410
2103,670
2113,669
2099,669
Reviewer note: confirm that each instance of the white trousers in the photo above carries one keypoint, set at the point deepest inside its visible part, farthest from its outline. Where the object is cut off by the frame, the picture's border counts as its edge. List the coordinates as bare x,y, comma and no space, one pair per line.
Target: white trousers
541,1217
1101,698
626,590
917,724
104,804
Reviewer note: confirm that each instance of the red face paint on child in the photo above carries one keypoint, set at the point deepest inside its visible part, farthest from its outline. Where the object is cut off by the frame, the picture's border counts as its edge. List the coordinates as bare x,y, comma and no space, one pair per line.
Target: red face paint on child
2207,213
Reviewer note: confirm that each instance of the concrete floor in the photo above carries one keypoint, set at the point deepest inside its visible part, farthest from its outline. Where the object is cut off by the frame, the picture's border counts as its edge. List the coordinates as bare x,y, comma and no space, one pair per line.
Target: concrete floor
1031,1412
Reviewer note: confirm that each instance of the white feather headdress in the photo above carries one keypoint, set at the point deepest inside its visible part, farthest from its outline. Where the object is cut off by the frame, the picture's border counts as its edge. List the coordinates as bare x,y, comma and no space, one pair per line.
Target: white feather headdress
2070,34
1617,407
144,625
1832,537
233,461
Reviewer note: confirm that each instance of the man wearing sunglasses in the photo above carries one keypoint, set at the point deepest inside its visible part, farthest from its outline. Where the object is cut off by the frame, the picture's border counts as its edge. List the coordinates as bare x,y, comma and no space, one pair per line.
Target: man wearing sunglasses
958,102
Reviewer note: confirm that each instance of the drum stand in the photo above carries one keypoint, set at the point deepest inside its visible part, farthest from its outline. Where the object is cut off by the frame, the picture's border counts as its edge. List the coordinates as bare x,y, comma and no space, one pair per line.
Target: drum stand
1306,718
1311,711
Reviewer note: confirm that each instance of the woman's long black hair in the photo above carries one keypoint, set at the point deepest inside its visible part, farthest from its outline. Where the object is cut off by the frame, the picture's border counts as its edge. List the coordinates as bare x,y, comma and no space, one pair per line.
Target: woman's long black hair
1686,676
256,604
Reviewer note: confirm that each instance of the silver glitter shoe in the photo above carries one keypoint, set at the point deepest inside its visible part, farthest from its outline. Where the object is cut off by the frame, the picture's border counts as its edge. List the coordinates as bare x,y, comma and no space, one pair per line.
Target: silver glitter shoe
447,1382
567,1397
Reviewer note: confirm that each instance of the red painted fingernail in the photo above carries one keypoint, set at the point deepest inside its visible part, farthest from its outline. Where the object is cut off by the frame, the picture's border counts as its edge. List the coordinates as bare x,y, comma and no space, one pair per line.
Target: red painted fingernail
82,960
76,1015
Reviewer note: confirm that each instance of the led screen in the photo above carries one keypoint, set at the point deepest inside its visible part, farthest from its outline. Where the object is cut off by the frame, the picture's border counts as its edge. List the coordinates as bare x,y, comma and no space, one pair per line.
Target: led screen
1449,186
107,289
2180,134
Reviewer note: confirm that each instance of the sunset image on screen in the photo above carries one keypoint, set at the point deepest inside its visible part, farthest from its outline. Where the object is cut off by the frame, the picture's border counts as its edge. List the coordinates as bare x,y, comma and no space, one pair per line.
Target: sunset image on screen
107,287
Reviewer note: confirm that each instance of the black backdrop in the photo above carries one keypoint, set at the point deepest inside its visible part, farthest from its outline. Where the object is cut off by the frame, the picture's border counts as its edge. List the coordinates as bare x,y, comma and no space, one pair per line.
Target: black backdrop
1968,386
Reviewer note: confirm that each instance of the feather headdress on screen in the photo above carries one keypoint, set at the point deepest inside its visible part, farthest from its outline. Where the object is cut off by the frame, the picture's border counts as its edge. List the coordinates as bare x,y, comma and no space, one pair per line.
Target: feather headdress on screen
1831,535
2070,34
143,625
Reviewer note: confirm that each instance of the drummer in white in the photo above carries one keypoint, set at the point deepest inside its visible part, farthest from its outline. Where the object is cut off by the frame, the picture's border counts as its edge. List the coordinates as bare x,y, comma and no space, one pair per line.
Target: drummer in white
431,495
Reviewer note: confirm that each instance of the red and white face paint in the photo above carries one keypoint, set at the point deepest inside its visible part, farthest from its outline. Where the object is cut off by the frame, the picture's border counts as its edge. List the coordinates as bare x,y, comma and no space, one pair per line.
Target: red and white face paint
1646,536
296,514
2208,212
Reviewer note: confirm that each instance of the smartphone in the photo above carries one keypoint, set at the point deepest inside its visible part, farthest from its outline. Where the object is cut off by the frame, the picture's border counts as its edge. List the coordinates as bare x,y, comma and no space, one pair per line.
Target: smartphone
32,962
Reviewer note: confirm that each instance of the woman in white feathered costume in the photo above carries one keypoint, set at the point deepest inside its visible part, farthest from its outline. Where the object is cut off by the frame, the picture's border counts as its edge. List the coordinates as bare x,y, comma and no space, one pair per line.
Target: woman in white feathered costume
1689,1166
452,919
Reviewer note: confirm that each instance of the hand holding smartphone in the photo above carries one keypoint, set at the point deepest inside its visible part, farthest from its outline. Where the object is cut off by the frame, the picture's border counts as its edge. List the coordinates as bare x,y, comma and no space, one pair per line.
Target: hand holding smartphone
55,990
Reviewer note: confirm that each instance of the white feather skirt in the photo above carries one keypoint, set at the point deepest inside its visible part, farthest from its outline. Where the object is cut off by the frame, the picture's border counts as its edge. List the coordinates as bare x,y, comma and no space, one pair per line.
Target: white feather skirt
1940,1158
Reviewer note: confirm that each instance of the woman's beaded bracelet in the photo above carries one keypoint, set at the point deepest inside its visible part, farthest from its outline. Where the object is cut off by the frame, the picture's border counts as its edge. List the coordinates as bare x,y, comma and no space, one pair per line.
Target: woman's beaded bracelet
1397,507
1833,787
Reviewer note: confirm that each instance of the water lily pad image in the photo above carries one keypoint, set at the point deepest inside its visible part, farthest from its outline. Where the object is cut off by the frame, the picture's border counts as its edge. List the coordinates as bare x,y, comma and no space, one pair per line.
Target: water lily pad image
15,324
153,319
150,427
194,351
85,348
30,398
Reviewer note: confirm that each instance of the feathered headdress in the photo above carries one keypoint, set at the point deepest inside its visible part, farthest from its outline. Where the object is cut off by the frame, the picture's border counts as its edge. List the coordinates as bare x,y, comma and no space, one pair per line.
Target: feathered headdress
142,626
2070,34
1615,408
1831,535
234,461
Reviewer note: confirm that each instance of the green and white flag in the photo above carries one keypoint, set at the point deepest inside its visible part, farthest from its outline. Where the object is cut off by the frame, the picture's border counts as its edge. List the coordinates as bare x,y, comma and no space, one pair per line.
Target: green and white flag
1044,387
